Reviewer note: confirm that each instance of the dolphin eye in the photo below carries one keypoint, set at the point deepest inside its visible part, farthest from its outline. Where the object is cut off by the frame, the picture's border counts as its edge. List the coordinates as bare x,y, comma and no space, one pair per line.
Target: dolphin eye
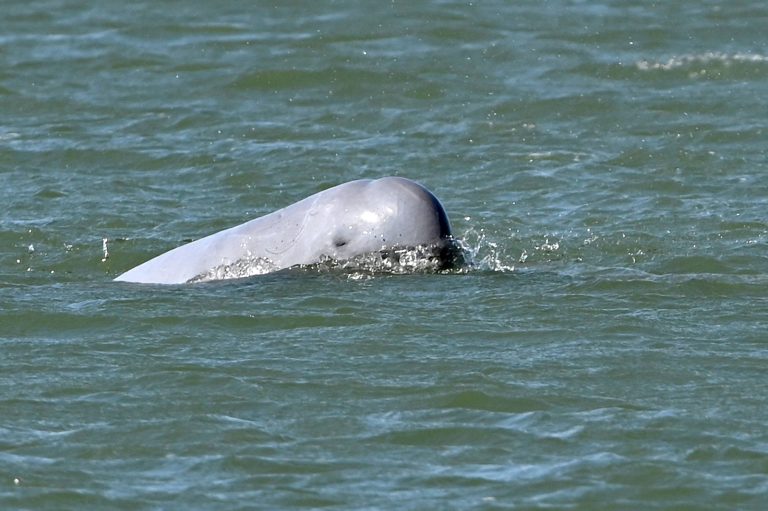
338,242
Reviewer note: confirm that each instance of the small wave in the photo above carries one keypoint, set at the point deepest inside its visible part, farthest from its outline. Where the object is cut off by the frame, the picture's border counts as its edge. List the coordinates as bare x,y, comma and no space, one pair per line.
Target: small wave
703,64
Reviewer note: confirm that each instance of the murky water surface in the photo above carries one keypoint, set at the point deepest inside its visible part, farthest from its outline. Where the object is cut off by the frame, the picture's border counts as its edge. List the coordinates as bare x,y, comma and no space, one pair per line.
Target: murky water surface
604,163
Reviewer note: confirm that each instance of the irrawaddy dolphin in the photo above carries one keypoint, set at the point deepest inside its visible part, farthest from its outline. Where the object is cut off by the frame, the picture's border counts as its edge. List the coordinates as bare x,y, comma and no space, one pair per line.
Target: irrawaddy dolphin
348,220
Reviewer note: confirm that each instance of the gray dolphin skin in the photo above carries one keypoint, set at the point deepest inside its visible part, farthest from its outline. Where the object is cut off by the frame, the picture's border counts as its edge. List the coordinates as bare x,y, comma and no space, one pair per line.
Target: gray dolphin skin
342,222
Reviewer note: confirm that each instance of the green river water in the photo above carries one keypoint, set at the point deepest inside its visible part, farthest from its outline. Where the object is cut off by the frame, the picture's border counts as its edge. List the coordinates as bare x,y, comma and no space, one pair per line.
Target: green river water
604,164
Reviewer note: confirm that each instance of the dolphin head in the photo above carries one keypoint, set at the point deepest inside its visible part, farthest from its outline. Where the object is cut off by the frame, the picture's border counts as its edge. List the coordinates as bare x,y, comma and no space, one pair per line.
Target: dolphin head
385,214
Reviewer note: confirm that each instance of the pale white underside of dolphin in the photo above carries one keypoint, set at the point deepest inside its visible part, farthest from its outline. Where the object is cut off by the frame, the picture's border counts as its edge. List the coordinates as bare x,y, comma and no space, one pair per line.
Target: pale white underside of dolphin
342,222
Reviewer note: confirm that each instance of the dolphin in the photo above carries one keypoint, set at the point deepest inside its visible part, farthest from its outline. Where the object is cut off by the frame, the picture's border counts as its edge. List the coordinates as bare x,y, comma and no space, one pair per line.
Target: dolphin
340,223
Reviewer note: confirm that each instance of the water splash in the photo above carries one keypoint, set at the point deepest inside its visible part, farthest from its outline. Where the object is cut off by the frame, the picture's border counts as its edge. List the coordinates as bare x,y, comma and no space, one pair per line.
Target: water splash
446,257
477,250
247,267
484,253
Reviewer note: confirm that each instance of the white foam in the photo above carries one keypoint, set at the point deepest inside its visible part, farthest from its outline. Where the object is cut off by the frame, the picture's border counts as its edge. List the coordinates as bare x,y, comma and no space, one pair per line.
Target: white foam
683,61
